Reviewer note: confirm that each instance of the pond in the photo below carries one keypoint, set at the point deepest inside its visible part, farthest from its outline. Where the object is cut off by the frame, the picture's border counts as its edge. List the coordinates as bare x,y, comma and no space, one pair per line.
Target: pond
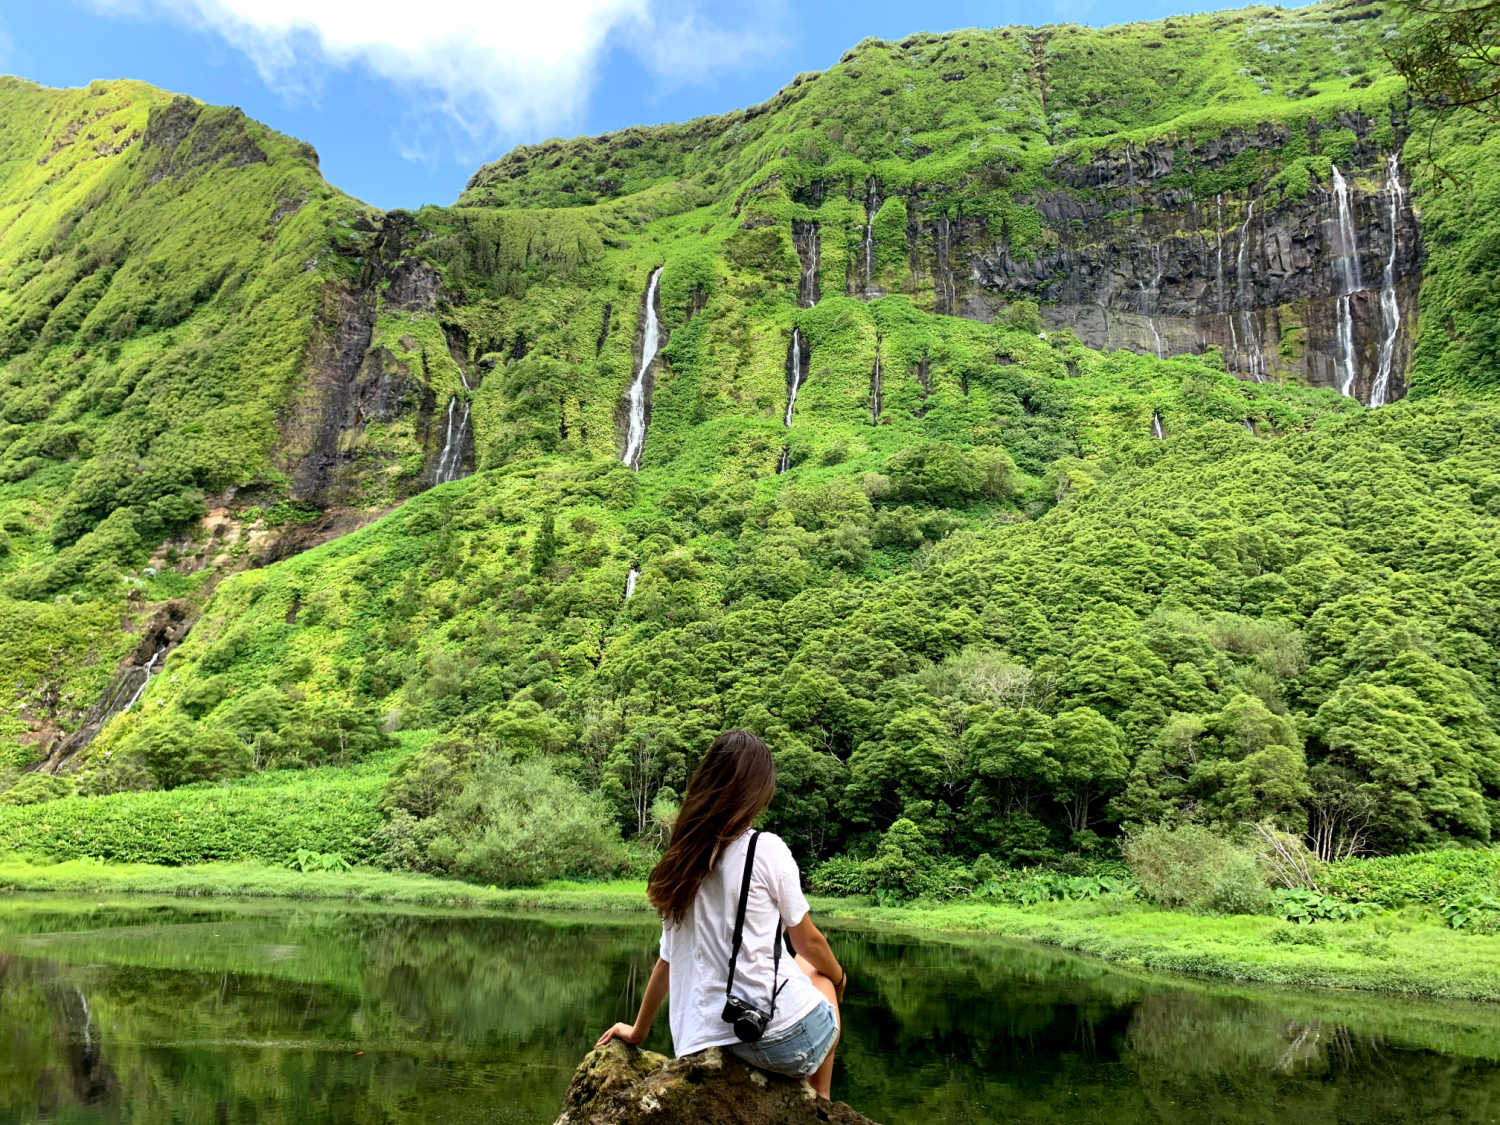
228,1011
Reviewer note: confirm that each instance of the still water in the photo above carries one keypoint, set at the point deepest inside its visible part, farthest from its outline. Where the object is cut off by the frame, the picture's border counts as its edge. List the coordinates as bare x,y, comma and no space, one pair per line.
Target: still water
254,1012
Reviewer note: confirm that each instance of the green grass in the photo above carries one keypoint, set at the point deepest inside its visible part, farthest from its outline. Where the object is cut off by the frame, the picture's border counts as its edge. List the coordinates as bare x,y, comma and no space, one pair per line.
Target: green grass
1408,954
363,884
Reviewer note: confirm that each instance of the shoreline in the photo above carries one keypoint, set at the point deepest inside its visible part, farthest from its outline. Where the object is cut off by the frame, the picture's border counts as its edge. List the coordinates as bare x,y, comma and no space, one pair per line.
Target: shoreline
1400,953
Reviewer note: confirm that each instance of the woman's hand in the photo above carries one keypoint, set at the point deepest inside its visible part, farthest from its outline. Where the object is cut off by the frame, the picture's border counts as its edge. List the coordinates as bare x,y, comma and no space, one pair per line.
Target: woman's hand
623,1031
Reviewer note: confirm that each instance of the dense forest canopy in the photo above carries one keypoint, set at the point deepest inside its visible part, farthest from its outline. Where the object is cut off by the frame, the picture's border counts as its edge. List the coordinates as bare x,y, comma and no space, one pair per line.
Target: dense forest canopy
985,589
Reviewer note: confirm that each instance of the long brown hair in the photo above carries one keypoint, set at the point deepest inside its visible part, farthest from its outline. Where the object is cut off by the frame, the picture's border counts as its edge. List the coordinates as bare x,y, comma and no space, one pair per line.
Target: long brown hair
732,784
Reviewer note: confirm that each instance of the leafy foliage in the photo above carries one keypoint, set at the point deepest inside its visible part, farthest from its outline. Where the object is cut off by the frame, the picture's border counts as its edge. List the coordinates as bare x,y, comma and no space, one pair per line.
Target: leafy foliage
1310,906
336,814
1423,878
1193,868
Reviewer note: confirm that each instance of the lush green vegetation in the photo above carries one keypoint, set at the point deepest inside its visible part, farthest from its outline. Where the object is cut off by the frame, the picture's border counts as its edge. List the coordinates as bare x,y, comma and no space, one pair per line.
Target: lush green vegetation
986,619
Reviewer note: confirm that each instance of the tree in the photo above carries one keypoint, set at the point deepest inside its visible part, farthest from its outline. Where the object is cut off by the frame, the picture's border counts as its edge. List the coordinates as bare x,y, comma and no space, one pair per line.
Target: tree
1090,763
1449,54
1405,762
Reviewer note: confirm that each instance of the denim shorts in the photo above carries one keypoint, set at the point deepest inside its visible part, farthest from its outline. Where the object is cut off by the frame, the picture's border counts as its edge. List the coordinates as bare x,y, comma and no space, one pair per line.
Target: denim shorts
797,1051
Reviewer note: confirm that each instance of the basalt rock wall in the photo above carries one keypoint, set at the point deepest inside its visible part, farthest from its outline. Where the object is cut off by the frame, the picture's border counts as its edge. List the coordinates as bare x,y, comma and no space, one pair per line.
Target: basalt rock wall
1134,256
354,380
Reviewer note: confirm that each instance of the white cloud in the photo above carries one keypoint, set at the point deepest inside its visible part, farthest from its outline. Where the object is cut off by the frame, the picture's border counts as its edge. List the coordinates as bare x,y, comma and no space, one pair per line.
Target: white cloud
501,70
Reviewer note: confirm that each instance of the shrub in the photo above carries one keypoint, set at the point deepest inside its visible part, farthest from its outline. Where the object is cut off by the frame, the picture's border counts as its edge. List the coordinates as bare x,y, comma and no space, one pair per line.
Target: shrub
197,825
177,752
1191,868
423,781
521,823
902,868
1286,858
34,788
402,842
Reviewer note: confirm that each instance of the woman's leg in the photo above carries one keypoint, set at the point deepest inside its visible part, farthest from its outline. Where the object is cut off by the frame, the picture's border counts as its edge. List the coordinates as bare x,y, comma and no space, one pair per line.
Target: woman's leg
822,1078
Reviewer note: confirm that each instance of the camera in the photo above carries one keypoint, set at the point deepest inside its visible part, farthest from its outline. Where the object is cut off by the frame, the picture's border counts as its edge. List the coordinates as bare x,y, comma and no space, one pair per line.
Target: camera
748,1020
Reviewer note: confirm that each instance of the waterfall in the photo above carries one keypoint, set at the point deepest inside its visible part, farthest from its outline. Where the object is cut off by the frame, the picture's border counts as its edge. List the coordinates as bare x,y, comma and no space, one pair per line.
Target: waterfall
946,290
872,204
1158,431
630,580
146,679
1151,296
875,405
1390,307
1347,265
635,435
450,460
806,240
1221,293
1249,427
794,376
1249,345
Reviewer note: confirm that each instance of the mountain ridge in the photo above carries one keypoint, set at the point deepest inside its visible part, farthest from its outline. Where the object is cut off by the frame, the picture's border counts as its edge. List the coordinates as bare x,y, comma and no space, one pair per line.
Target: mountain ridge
823,438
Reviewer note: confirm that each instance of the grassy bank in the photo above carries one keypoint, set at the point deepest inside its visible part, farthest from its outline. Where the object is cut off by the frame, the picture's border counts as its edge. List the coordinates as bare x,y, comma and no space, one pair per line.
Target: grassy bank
1408,953
362,884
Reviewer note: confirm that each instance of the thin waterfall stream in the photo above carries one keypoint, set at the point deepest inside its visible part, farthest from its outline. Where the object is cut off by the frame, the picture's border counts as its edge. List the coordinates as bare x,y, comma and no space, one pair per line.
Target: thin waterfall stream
1248,343
1390,306
806,239
794,377
450,460
148,669
943,281
630,581
1158,431
1221,289
635,434
1151,298
872,205
1347,267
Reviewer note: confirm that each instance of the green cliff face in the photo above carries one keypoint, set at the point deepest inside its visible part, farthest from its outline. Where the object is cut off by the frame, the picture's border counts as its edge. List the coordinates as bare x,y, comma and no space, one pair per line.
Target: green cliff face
1068,525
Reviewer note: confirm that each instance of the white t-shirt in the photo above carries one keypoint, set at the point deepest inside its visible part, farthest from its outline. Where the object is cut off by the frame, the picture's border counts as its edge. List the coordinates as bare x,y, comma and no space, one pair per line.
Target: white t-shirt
697,948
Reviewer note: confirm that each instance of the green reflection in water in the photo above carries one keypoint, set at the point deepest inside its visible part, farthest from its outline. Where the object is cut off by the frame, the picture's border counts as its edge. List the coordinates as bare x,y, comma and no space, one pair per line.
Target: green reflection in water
256,1012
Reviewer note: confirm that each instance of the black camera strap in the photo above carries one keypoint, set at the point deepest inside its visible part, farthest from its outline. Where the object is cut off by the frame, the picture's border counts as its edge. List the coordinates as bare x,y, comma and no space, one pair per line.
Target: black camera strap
739,929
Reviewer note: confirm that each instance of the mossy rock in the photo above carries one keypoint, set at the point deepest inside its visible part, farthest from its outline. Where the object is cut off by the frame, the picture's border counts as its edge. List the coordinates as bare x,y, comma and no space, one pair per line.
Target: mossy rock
621,1085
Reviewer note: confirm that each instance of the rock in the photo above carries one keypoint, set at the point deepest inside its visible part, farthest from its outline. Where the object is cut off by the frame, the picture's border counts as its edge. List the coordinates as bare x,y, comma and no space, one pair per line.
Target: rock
622,1085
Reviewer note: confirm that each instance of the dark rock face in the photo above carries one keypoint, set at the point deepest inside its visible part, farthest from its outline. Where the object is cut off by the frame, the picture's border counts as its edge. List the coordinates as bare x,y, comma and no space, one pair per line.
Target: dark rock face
213,134
1132,259
166,629
623,1085
351,384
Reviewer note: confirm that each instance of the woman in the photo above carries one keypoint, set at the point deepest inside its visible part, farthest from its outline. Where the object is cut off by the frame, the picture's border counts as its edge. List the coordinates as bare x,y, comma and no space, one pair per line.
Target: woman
696,890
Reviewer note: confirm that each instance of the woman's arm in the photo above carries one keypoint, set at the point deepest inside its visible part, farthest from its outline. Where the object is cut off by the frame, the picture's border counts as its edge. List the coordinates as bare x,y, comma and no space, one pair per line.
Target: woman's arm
656,991
811,944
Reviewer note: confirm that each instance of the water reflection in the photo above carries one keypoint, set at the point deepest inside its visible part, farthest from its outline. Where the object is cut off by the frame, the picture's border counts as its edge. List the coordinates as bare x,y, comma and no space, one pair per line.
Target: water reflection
264,1013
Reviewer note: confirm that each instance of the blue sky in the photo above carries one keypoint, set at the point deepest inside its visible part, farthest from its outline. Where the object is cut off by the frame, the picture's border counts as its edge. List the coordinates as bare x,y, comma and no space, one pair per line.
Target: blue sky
404,99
